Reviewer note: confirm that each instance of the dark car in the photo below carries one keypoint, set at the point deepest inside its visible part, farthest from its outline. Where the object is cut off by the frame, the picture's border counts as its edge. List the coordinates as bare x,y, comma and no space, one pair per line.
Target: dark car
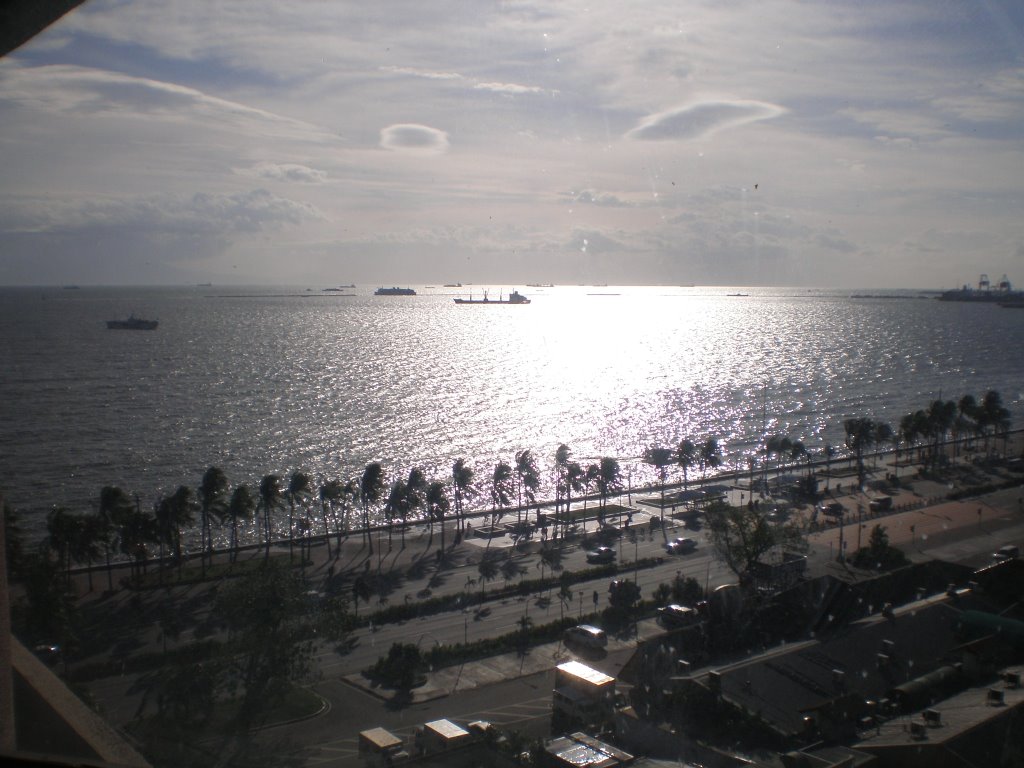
601,555
681,546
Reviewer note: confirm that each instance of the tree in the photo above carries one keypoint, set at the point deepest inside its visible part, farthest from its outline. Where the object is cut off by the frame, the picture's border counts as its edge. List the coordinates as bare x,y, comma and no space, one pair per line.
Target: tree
241,508
371,489
575,477
710,455
609,479
136,530
401,668
416,493
528,480
171,514
562,456
270,499
861,434
331,493
993,417
686,457
742,535
271,640
462,485
501,491
212,490
115,505
61,531
299,488
661,459
438,505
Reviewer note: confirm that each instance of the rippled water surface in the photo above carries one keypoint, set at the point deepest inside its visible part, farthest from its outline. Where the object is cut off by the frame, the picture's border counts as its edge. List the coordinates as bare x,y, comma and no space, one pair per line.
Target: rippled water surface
277,380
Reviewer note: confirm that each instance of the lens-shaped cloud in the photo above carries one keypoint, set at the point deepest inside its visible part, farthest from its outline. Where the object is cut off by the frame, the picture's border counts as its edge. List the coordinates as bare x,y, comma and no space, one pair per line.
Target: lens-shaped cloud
700,119
414,138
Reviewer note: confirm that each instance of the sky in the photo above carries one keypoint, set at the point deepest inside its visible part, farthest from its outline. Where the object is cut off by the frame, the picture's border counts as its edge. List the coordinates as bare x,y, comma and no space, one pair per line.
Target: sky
770,142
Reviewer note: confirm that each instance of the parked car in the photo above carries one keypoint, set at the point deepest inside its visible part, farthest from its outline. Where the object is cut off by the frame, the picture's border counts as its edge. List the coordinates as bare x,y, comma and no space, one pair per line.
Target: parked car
1007,552
586,635
601,555
676,615
681,546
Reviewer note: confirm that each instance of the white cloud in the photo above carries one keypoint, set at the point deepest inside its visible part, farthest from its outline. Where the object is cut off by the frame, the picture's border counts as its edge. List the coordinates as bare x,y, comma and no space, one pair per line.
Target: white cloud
414,138
701,119
284,172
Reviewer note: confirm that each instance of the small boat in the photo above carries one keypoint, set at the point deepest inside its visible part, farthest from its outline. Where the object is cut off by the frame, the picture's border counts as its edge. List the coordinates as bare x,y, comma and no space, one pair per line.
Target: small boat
513,298
133,323
394,292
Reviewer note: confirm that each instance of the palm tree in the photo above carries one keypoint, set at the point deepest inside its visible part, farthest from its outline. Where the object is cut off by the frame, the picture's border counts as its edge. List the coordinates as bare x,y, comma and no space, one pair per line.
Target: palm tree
211,504
574,481
241,507
661,459
371,488
415,499
501,493
299,488
861,434
136,530
437,507
992,415
528,480
967,412
941,417
562,455
686,457
609,480
115,505
60,529
170,515
85,543
270,498
331,492
710,455
462,485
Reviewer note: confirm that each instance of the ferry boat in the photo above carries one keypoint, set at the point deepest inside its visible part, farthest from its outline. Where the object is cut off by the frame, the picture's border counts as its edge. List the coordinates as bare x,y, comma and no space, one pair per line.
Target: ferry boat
133,323
394,292
513,298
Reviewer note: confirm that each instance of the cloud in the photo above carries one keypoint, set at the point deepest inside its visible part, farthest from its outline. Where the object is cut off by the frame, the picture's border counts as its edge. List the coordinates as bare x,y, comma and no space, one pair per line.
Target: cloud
695,121
508,88
592,197
253,211
414,138
424,73
284,172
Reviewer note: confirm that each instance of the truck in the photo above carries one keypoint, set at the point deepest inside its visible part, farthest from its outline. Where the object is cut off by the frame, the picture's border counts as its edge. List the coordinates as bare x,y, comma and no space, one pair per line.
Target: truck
380,747
582,695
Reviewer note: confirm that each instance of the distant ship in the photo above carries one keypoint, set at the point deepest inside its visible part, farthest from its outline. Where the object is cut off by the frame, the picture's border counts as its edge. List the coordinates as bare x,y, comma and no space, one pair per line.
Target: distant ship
394,292
1003,292
133,323
513,298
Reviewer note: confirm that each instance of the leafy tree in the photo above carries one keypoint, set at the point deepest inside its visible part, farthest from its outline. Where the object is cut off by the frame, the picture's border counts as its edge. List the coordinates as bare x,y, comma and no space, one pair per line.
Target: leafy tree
401,668
742,535
264,613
